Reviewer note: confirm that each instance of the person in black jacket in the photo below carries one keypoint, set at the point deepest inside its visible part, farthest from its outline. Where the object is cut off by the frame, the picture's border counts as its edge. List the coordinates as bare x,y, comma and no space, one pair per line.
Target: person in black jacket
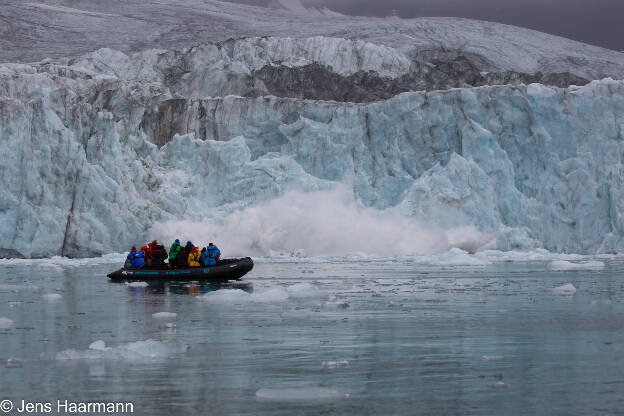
182,258
159,255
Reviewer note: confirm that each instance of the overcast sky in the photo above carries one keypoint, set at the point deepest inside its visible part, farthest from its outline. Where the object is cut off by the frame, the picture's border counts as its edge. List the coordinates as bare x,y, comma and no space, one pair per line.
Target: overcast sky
599,22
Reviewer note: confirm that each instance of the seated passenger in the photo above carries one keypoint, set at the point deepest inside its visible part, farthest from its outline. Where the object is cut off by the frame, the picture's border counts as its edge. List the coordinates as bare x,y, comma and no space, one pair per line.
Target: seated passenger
173,253
136,258
128,262
182,258
211,256
159,255
193,257
147,252
188,247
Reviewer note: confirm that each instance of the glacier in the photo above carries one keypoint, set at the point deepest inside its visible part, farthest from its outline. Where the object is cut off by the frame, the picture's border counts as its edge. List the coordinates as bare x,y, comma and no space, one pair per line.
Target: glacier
100,151
81,26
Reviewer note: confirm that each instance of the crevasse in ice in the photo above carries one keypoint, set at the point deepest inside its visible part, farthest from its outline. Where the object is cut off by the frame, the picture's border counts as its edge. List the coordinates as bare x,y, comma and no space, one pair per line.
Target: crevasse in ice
91,160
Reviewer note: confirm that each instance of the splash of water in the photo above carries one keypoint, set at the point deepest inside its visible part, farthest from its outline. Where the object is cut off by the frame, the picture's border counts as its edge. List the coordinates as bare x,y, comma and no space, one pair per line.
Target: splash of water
319,223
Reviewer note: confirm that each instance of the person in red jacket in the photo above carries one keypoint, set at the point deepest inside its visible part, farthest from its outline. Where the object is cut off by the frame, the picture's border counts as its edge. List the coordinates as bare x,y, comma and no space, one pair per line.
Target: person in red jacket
147,252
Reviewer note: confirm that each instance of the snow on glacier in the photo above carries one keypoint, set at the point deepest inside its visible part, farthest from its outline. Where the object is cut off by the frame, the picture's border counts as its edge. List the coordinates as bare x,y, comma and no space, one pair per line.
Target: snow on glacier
492,46
518,167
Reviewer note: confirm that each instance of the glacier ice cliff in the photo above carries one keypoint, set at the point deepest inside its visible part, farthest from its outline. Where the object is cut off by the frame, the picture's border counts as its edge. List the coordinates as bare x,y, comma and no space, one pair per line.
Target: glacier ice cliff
98,149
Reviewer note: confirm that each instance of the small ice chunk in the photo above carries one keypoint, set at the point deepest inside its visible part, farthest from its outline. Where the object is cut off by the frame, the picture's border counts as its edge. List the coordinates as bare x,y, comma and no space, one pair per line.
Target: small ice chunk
335,364
493,357
13,363
139,350
98,346
5,323
51,297
567,289
170,325
137,284
226,297
164,315
568,265
499,385
300,394
601,302
304,290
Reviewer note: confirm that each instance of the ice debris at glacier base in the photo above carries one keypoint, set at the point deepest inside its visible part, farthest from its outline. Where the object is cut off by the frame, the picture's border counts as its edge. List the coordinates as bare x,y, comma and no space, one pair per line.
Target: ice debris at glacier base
529,166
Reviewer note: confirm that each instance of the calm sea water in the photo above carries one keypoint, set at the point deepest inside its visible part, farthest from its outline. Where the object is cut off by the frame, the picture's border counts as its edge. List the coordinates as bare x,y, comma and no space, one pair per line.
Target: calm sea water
331,338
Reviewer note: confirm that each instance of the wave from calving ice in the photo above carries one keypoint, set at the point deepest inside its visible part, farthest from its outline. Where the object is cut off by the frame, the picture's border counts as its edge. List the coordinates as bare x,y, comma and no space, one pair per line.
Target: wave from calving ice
321,223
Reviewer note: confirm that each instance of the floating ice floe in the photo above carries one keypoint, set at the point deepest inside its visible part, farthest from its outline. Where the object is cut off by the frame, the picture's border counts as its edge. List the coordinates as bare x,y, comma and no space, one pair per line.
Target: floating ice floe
499,385
269,295
601,302
13,363
567,265
300,394
99,346
335,364
567,289
164,315
137,284
493,357
51,297
5,323
139,350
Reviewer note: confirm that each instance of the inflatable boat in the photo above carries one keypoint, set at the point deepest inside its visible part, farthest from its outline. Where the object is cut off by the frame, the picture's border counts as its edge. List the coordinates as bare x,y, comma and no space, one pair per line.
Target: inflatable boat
223,271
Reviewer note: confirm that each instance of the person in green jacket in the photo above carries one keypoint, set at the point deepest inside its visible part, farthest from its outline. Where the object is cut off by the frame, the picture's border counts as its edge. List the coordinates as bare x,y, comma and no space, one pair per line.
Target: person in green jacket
173,252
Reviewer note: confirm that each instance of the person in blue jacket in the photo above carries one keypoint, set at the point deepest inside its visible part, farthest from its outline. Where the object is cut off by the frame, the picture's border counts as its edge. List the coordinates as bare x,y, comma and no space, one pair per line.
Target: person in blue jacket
211,256
136,258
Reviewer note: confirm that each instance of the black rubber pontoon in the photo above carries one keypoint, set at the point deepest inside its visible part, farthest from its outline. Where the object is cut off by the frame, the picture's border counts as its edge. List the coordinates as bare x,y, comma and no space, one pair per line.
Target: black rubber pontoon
224,270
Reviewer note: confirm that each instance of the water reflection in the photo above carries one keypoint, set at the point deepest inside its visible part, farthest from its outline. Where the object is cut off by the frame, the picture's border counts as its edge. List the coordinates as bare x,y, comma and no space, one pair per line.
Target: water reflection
196,288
